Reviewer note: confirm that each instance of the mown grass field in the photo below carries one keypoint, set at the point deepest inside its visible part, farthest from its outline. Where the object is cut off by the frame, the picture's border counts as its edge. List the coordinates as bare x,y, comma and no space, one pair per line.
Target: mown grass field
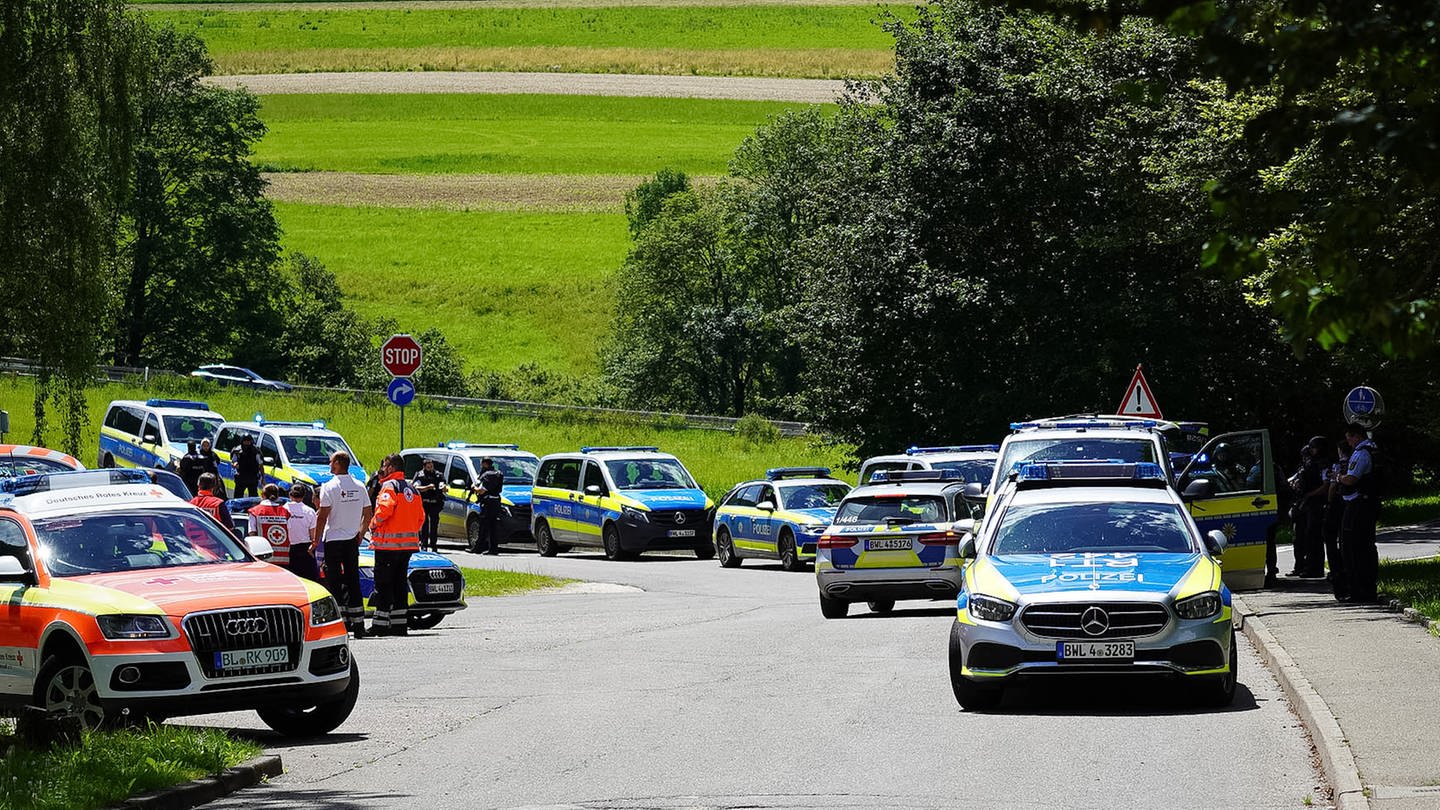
507,288
485,582
470,133
760,40
717,459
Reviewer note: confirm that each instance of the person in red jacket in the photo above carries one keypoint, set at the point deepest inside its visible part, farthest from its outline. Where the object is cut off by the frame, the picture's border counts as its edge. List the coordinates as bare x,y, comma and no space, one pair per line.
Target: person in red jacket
394,536
271,520
212,504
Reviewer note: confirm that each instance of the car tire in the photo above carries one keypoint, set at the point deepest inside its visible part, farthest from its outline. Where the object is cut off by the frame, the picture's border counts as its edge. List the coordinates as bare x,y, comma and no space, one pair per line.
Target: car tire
971,696
317,720
545,544
725,549
472,535
789,552
107,462
610,537
705,552
1219,692
881,606
66,685
423,621
833,608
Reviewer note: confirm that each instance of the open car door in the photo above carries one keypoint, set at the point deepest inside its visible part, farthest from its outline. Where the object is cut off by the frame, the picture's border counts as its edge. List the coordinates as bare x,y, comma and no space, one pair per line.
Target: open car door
1241,500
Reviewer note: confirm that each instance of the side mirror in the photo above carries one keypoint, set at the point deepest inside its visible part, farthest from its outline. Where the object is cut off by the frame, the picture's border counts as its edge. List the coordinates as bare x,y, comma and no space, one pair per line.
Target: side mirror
966,526
1216,541
974,490
1198,489
12,570
459,482
766,506
151,437
259,547
967,547
592,489
270,461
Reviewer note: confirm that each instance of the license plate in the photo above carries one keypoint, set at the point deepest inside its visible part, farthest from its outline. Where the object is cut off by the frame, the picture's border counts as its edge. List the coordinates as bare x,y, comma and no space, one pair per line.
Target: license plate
682,533
439,587
249,659
1095,651
888,544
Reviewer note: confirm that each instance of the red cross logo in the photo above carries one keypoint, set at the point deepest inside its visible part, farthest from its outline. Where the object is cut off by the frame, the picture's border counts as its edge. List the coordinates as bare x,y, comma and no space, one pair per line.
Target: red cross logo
161,581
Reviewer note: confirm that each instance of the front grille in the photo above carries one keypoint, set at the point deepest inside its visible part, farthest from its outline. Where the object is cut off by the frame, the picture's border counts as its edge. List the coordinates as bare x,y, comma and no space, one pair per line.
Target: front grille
694,518
419,579
521,512
245,629
1122,619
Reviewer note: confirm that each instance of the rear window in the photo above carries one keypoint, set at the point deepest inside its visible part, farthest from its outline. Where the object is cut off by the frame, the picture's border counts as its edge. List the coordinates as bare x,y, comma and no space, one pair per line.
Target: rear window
813,496
892,509
1104,528
975,471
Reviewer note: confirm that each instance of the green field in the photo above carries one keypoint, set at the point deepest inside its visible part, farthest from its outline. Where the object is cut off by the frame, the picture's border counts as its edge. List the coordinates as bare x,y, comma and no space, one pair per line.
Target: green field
734,40
486,582
507,288
427,134
717,459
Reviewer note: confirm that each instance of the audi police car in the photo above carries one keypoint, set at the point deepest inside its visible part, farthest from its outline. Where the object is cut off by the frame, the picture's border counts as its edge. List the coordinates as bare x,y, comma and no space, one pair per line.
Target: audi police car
153,433
459,462
779,518
973,462
293,452
124,599
1089,567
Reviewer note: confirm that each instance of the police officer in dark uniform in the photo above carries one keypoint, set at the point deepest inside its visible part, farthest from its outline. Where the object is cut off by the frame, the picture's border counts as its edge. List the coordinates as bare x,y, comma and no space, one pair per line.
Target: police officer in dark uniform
248,465
190,466
1357,527
430,483
488,490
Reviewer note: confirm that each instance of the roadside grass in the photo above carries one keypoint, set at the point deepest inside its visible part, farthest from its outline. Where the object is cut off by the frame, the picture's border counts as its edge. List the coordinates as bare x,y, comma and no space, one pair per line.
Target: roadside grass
507,288
1410,510
485,582
758,37
107,767
1416,583
481,133
716,458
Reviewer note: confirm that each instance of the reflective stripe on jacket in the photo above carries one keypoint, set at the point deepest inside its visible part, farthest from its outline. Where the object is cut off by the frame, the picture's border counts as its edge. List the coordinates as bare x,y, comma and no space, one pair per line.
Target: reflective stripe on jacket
398,516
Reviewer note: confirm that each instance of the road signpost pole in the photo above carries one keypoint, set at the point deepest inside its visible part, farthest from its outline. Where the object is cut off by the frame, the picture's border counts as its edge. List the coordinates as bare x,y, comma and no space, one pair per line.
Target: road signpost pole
401,357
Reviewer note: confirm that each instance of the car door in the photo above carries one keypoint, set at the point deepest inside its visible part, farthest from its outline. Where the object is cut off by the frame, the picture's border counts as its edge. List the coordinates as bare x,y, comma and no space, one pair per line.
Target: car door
593,493
1242,502
739,516
272,458
763,526
458,498
555,494
19,627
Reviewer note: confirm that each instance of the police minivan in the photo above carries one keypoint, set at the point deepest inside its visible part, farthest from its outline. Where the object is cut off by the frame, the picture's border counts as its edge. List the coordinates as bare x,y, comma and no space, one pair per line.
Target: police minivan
459,462
293,452
153,433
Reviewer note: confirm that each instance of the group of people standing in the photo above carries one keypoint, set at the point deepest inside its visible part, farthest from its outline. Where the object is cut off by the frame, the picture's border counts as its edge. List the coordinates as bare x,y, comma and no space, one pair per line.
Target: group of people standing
432,486
1337,489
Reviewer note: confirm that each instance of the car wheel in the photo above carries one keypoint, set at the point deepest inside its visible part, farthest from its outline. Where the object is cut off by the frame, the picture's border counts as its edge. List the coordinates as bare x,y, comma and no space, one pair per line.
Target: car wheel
881,605
725,548
321,718
1219,692
833,608
610,535
66,686
423,621
107,462
970,695
472,536
789,554
704,552
545,544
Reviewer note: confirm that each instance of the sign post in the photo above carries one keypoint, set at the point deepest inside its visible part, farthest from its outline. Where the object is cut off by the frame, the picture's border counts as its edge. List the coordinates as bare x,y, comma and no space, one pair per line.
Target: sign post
401,357
1138,400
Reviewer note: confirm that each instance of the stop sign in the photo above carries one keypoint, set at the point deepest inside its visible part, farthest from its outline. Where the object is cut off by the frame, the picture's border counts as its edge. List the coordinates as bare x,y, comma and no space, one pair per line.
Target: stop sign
400,355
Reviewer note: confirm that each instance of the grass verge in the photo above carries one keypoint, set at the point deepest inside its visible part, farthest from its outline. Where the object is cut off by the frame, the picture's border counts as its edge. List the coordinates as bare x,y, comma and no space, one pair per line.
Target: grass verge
485,582
1416,583
505,134
1410,510
106,767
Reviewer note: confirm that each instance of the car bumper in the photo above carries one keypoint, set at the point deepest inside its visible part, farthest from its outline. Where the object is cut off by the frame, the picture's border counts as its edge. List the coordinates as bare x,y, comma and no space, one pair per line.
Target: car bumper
867,584
635,536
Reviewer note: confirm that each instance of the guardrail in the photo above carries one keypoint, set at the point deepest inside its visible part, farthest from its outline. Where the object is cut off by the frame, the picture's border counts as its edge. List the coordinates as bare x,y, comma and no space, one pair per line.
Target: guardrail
16,365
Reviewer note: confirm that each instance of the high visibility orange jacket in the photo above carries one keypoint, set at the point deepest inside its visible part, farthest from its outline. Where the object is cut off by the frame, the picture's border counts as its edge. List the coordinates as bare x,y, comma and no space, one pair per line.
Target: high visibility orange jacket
272,522
398,516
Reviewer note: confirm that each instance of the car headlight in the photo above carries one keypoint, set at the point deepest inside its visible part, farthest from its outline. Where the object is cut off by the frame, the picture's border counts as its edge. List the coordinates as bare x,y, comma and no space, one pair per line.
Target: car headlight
813,528
324,611
1199,606
128,626
637,515
991,609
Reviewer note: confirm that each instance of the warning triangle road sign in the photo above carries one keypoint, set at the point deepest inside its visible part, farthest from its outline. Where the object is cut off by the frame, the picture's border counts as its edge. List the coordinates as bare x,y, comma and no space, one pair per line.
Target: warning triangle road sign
1138,400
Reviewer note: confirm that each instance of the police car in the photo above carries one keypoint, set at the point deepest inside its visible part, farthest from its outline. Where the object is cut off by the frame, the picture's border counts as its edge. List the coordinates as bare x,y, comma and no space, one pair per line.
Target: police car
123,598
1089,567
974,463
293,452
892,539
153,433
459,462
779,518
625,500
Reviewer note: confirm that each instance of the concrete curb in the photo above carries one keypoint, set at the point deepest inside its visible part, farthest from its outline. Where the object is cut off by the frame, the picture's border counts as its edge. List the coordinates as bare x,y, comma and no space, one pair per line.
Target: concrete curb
209,788
1335,755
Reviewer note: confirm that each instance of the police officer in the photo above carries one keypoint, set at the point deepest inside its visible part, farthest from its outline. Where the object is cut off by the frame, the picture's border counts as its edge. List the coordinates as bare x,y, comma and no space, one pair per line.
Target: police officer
271,520
190,466
488,488
344,511
1357,526
430,483
210,463
394,536
248,465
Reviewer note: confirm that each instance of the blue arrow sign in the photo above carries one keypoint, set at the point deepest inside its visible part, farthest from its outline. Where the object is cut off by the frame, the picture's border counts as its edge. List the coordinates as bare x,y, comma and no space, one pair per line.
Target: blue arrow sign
400,392
1361,400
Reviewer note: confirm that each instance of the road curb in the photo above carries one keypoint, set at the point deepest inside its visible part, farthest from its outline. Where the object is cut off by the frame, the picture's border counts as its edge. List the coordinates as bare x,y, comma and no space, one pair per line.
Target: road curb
207,789
1335,754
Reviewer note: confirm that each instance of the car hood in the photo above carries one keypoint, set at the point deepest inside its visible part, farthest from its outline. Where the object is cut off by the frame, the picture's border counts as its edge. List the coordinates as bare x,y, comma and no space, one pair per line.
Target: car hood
668,498
516,494
178,591
822,515
418,560
320,473
1098,573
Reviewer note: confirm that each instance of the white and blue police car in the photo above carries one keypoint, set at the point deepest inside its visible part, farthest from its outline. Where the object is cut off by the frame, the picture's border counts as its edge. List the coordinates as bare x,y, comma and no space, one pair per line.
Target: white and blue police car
778,518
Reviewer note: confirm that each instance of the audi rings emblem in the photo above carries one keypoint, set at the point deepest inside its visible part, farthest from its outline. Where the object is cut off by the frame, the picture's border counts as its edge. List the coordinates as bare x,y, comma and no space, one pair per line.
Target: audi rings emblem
1094,621
245,627
679,517
438,573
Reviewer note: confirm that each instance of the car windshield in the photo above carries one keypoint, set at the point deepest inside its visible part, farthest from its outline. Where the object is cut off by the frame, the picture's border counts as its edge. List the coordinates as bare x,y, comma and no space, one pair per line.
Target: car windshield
1140,448
812,496
1109,527
516,469
650,473
190,428
313,449
11,466
975,471
892,509
132,540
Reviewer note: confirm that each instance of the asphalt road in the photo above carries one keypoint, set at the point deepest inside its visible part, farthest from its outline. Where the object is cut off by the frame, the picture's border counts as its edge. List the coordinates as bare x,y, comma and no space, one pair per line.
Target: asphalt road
714,688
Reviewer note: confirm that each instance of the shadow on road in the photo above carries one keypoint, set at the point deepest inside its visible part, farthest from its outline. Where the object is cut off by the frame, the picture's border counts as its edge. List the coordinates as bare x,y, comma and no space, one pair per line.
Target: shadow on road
902,613
270,739
280,796
1114,697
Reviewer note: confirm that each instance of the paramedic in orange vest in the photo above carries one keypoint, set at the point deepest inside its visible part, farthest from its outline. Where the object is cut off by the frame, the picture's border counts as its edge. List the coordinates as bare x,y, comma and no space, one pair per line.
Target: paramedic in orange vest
270,520
394,536
213,505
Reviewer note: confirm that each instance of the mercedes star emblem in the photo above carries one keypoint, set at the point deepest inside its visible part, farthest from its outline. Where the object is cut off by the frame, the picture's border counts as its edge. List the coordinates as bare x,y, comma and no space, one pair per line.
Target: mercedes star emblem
679,517
1094,621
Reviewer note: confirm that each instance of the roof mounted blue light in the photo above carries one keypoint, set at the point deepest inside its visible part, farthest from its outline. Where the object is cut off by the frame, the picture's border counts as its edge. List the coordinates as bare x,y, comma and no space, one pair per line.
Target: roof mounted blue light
1088,424
71,479
777,473
188,404
477,446
954,448
1092,471
259,419
621,449
913,476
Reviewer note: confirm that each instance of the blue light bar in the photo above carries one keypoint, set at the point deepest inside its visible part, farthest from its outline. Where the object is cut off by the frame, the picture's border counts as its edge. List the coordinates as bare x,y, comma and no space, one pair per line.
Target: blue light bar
259,419
956,448
72,479
777,473
901,476
477,445
1089,470
1077,424
178,403
623,449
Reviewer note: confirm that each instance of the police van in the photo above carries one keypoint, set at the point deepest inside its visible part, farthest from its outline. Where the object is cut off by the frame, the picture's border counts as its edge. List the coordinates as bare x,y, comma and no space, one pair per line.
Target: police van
459,463
153,433
625,500
293,452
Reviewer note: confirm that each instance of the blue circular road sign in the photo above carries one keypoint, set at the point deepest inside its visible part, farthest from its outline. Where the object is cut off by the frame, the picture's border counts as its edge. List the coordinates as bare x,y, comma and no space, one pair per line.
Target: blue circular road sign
1361,400
401,391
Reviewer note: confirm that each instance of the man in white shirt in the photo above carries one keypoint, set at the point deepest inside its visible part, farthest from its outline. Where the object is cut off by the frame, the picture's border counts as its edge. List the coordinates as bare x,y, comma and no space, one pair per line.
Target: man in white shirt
344,512
302,533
